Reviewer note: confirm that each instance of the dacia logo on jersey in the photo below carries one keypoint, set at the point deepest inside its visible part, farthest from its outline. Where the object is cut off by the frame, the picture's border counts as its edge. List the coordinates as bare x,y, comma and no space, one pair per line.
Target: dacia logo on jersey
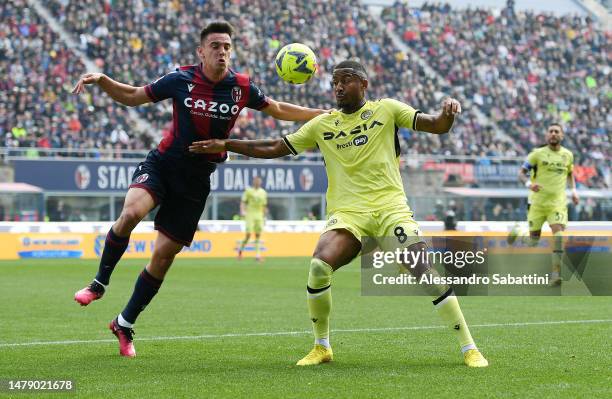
211,106
356,130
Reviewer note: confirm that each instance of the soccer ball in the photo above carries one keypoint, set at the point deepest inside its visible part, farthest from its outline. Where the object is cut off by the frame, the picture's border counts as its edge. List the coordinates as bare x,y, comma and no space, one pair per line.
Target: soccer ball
296,63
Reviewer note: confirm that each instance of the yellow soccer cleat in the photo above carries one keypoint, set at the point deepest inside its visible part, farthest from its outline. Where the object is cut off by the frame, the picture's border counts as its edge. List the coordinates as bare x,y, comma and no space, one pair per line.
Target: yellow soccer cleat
319,354
473,358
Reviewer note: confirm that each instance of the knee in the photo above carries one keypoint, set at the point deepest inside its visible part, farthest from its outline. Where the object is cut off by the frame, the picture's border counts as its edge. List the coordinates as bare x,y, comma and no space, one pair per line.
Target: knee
162,261
130,216
320,274
324,255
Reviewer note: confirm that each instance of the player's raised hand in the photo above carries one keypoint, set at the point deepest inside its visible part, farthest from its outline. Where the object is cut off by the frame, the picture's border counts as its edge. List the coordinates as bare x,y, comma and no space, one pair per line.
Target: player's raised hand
450,106
207,146
86,79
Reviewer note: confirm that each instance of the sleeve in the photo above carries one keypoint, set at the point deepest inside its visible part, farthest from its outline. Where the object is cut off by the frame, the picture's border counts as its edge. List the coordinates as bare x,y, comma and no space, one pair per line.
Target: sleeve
303,139
163,87
570,167
257,100
531,161
404,114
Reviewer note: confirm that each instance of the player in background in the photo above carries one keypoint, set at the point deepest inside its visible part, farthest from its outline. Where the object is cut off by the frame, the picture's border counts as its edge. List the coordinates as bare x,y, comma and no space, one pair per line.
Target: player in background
551,167
207,99
365,195
254,207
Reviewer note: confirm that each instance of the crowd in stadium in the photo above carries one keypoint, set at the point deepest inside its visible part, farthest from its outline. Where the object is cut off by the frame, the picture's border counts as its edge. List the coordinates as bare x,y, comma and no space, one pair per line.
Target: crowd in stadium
522,69
502,63
341,30
36,107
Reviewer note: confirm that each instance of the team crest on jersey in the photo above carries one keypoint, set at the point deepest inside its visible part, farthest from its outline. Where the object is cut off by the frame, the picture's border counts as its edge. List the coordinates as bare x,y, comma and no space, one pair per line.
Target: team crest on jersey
236,94
365,115
142,178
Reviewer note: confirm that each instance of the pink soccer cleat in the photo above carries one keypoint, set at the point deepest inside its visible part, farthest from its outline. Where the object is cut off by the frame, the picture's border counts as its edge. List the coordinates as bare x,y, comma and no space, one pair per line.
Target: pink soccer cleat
89,294
125,336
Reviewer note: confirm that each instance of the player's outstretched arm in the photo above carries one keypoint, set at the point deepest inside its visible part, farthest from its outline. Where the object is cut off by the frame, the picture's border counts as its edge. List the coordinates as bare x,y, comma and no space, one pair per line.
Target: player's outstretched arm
291,112
120,92
442,122
253,148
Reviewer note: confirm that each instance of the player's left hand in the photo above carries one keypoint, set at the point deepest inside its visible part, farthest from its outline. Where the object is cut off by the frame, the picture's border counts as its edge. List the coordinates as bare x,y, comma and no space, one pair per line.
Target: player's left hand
575,198
450,106
207,146
86,79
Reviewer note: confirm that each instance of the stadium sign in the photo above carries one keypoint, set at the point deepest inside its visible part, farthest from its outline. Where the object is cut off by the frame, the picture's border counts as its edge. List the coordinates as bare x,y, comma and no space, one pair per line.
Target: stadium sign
496,172
79,176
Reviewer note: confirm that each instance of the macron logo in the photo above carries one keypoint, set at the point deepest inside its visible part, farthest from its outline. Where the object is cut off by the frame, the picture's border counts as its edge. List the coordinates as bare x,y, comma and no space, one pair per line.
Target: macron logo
190,87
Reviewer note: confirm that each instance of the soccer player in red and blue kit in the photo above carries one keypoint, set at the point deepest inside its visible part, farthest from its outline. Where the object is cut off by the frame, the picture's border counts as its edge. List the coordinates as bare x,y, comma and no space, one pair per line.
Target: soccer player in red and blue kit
207,99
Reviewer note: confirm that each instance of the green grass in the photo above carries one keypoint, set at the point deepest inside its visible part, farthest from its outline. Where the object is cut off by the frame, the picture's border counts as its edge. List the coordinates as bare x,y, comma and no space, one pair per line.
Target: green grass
216,297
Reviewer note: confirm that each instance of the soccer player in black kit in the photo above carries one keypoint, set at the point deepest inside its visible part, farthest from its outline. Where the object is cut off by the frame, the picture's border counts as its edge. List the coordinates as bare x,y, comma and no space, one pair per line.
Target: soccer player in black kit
207,99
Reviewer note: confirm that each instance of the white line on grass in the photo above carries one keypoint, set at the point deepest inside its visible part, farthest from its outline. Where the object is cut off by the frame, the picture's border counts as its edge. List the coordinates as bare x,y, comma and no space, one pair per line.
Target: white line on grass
272,334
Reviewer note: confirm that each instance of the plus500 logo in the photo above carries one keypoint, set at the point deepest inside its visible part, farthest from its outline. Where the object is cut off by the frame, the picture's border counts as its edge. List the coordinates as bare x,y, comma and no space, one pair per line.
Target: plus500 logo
211,106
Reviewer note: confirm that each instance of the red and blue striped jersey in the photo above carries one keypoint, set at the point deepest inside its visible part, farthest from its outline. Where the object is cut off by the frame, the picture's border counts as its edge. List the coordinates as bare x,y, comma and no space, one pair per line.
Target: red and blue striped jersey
202,109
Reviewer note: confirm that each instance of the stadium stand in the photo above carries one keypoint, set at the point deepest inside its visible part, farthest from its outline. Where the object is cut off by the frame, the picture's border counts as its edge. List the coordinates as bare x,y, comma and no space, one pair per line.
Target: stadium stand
153,37
36,107
523,70
340,30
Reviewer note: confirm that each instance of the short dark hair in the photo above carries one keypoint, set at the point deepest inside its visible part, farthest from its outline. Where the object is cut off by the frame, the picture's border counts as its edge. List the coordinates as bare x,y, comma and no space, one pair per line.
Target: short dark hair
217,27
556,124
352,64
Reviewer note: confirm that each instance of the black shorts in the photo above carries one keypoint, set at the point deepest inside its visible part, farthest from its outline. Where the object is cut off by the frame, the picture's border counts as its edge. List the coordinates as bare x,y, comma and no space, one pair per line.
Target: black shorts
180,189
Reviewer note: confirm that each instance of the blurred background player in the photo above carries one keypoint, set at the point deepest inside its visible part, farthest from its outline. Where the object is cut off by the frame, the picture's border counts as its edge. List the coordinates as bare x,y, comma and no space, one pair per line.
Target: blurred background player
551,168
207,100
253,206
365,195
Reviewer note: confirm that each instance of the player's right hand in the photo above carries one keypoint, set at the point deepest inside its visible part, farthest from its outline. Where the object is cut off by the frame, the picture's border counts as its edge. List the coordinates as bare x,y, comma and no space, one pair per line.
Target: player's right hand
207,146
535,187
86,79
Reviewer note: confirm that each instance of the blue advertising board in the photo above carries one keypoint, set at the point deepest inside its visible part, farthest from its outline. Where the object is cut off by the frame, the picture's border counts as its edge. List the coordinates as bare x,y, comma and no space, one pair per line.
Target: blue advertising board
496,172
116,176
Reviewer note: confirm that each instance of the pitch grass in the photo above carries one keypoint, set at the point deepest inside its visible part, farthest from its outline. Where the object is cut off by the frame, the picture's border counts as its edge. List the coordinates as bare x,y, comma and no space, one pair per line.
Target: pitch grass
216,297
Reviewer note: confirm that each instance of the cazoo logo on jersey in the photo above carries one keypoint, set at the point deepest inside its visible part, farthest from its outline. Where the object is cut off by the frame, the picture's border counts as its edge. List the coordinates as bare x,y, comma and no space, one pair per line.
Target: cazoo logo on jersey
356,130
211,106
